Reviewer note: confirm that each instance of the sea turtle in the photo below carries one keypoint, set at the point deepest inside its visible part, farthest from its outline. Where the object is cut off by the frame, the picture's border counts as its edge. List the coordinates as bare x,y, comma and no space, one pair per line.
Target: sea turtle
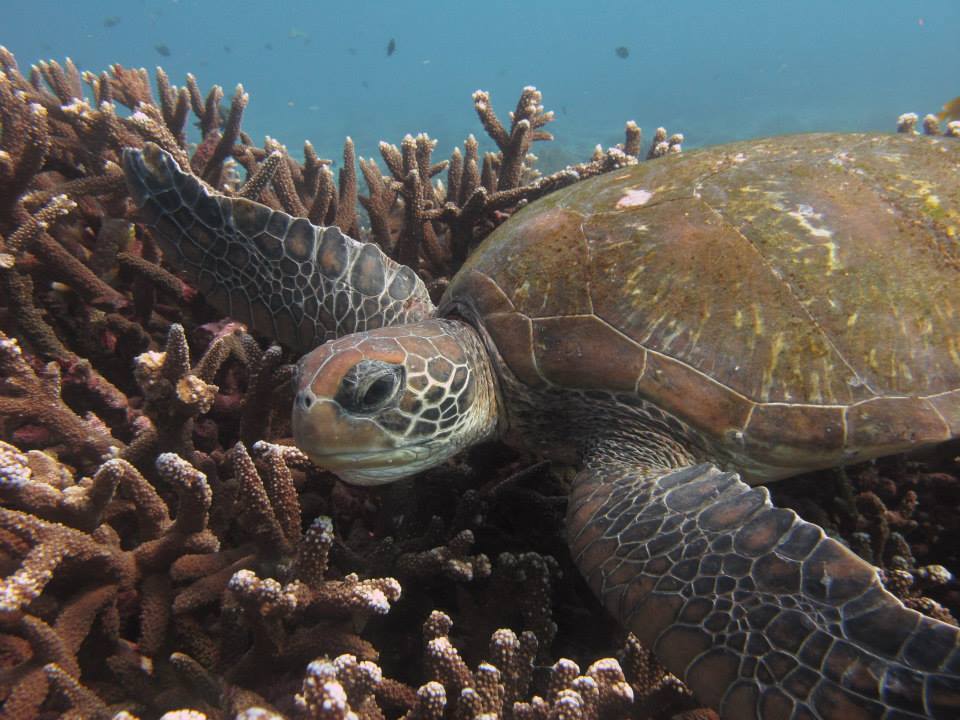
679,330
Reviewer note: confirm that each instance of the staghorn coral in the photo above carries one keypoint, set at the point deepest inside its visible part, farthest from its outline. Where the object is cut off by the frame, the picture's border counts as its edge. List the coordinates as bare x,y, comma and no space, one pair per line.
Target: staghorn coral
169,560
505,685
441,223
165,554
452,560
68,577
31,405
345,688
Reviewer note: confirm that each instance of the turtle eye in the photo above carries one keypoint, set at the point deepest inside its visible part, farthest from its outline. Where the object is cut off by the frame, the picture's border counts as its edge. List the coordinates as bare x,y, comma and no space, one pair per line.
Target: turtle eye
369,386
379,391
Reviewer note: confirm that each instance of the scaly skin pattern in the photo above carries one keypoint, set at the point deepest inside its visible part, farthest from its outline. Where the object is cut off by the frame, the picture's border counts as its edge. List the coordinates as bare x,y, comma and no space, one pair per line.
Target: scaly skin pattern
410,396
759,613
289,279
767,306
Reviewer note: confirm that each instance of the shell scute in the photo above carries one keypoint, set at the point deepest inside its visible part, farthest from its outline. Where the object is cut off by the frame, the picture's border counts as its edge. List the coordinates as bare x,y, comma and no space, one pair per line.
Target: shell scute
626,191
899,423
513,333
843,227
586,352
678,278
948,406
539,264
818,434
693,397
480,294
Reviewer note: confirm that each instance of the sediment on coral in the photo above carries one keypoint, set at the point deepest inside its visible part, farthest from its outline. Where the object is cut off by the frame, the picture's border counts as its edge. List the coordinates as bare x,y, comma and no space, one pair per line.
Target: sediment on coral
166,551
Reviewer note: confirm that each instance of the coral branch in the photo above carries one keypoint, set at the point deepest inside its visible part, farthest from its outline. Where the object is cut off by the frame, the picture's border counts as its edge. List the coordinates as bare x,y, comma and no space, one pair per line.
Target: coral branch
29,398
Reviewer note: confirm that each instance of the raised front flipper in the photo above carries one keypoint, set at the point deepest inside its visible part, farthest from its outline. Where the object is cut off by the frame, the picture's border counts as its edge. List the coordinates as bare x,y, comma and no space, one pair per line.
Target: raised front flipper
286,277
760,613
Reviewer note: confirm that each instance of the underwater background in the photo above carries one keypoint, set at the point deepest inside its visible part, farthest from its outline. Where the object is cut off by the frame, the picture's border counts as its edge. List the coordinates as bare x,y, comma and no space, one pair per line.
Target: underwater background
714,71
168,553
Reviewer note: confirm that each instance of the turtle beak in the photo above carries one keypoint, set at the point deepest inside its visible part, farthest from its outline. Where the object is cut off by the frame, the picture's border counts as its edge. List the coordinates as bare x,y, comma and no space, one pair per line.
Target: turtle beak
343,443
356,448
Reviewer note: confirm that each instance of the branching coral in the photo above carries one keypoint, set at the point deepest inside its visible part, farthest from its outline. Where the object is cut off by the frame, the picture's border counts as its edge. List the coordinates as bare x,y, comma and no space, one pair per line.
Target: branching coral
166,552
347,689
174,564
31,402
452,560
67,576
441,223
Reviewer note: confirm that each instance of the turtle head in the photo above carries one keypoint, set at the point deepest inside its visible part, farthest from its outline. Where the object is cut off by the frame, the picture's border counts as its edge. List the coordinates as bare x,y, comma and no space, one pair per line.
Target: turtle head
377,406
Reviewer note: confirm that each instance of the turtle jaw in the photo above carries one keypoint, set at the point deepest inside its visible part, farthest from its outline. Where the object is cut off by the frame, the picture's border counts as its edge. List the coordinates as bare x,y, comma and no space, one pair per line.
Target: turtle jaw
358,449
375,468
354,448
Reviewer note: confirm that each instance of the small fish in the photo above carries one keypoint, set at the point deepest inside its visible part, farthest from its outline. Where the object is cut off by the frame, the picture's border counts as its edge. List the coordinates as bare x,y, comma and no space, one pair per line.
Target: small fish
622,52
268,46
951,111
352,51
112,21
227,49
162,49
391,47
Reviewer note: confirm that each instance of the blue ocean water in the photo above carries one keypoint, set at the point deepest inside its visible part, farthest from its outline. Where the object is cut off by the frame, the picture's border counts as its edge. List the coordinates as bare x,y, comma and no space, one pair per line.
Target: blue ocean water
714,71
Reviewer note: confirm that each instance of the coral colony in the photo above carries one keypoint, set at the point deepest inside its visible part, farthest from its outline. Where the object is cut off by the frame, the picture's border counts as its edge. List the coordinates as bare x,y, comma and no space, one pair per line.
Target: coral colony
167,552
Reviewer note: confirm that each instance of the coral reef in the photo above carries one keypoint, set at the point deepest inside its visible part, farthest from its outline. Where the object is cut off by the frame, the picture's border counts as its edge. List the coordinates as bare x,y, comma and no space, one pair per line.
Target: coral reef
907,123
167,553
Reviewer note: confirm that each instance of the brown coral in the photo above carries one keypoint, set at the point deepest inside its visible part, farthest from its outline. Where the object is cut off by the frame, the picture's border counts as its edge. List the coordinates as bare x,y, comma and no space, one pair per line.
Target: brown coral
164,550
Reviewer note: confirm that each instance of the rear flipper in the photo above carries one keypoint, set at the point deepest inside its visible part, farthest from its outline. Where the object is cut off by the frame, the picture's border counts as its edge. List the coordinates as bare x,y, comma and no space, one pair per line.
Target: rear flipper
289,279
760,613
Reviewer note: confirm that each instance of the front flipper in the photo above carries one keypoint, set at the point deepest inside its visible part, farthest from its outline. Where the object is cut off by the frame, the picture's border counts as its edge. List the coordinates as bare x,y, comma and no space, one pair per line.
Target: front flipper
286,277
760,613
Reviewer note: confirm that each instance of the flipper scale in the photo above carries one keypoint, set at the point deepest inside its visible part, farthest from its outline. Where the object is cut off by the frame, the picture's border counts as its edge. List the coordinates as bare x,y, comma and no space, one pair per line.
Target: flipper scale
289,279
772,619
